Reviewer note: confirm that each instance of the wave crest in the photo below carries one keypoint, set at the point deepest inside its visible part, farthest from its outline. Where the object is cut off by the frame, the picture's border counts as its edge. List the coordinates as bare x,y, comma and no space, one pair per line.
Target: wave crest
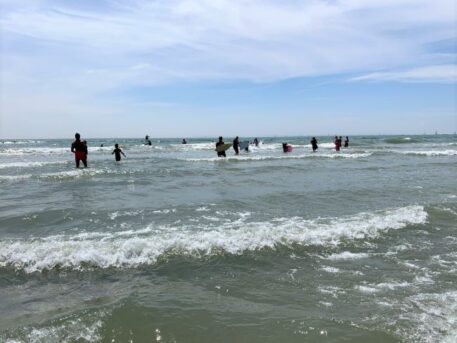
143,247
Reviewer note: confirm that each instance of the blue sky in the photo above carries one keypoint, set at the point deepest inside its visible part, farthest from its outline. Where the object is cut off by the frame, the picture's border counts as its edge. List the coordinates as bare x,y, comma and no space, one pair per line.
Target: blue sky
181,68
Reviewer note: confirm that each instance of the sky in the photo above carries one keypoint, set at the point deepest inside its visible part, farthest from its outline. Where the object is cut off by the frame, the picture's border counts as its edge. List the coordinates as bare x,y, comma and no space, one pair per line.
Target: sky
204,68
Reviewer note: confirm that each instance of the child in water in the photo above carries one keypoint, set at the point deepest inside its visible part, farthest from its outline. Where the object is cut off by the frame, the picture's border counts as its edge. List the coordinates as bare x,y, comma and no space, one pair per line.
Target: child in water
117,151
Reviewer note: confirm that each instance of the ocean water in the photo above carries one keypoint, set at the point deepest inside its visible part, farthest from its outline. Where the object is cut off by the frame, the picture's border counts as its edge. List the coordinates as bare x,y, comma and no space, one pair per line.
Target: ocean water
173,244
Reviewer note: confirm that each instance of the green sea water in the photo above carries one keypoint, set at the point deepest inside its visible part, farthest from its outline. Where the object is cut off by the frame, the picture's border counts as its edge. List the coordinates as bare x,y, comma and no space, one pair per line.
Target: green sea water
173,244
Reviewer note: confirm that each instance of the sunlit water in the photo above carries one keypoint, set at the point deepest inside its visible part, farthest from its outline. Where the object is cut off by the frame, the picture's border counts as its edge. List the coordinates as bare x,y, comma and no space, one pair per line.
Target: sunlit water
173,244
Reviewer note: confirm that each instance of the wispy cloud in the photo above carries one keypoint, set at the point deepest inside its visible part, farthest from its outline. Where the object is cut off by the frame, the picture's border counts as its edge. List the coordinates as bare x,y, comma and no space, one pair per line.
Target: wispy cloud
221,39
441,73
89,48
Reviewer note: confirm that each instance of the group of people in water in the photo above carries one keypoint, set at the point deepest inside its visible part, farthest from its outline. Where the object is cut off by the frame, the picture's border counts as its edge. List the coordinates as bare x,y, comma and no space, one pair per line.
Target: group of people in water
221,147
79,147
338,143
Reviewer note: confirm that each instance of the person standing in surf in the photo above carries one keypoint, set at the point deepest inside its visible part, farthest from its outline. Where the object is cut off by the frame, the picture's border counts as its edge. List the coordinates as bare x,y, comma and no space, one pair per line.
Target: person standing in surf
147,141
80,150
219,143
117,151
314,144
236,145
256,142
337,143
346,142
86,151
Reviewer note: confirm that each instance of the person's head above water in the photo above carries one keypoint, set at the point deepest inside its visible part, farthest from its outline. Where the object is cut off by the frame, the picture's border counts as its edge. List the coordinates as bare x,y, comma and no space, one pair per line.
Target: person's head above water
77,135
147,137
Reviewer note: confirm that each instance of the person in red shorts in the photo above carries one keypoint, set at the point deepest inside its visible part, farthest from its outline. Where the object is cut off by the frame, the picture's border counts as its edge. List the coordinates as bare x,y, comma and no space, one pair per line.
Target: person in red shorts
79,148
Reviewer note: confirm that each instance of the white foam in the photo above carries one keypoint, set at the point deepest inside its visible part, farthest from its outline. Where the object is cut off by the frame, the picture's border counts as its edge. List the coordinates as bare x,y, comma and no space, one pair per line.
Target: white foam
347,255
68,174
15,177
132,213
428,153
28,164
290,156
165,211
137,247
72,329
75,173
331,290
392,285
36,151
194,146
326,303
366,289
330,269
423,280
49,150
434,318
202,209
20,142
326,145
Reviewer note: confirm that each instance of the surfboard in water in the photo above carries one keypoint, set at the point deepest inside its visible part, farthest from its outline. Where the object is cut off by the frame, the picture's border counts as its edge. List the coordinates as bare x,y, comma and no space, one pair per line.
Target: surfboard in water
223,147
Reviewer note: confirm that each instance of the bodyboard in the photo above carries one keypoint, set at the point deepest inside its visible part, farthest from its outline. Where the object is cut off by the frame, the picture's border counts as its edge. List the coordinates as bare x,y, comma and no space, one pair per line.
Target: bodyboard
223,147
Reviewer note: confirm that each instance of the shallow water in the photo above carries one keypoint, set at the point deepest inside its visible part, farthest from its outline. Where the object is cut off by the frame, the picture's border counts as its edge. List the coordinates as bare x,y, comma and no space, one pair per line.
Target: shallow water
176,245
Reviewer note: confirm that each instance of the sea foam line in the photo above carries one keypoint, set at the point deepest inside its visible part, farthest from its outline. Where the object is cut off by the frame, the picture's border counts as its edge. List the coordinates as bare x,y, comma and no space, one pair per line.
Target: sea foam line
428,153
29,164
283,157
142,247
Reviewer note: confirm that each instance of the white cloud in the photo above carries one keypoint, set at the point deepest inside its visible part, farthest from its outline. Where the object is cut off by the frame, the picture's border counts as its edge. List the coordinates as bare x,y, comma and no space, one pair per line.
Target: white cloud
439,73
86,48
224,39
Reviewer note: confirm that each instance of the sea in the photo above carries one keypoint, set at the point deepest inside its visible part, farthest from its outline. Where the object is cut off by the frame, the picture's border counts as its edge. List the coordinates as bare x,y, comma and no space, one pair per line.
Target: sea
173,244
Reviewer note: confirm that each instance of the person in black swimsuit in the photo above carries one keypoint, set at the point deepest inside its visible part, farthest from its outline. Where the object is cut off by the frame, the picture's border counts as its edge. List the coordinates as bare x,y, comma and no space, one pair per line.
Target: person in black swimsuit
236,145
117,151
314,144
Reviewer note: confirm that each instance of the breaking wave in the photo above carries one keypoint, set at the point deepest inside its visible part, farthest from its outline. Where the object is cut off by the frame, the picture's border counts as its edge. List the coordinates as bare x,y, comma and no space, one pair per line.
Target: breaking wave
132,248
